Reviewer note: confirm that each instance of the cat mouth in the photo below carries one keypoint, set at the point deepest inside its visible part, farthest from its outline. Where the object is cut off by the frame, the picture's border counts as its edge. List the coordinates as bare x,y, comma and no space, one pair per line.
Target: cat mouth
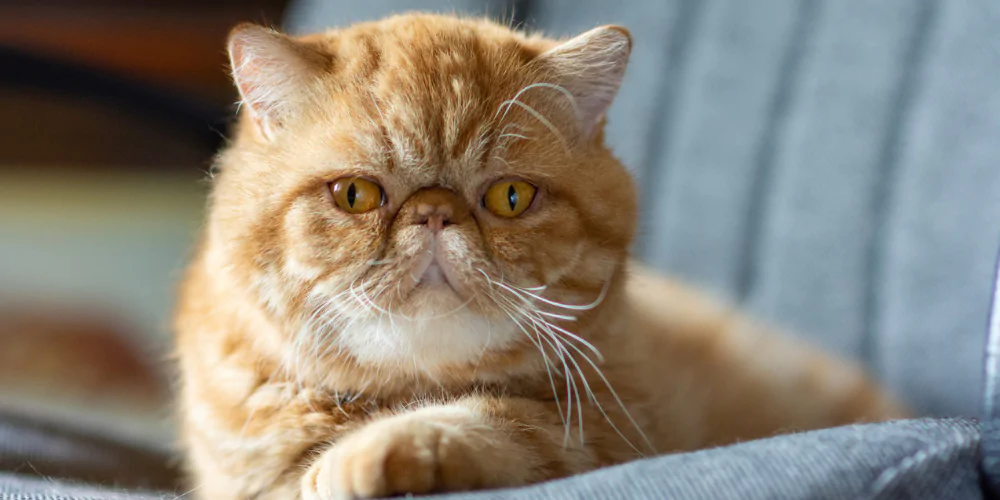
433,275
434,272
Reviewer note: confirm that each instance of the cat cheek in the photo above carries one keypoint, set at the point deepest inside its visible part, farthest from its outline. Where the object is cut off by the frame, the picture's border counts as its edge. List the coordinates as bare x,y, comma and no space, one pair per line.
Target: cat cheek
338,252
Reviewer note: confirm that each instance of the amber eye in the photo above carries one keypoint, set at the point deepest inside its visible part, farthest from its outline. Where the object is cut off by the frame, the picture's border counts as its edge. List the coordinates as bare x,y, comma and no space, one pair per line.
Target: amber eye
355,195
509,198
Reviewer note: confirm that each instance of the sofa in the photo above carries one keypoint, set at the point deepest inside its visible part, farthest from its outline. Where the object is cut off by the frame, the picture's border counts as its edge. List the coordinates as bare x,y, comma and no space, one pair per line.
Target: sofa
829,166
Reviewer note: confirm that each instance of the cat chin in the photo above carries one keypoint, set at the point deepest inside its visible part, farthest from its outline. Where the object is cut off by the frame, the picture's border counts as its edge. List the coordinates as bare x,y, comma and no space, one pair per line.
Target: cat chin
430,340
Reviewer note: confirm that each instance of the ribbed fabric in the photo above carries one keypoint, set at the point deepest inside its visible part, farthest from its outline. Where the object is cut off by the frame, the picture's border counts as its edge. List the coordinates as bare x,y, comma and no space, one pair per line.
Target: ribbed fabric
831,166
916,459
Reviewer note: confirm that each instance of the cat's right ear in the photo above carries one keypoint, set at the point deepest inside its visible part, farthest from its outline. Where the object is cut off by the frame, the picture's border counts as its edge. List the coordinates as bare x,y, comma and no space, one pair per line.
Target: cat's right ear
591,67
273,74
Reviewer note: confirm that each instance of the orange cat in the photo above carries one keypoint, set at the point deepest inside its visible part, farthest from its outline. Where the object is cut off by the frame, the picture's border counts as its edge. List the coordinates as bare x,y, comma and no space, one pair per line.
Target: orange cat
414,278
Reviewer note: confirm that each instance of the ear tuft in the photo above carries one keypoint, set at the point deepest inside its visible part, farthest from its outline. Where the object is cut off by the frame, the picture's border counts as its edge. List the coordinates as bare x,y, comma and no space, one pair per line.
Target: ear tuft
272,72
591,67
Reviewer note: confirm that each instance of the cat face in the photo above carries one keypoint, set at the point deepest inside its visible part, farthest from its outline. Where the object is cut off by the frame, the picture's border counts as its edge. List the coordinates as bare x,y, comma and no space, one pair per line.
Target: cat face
423,190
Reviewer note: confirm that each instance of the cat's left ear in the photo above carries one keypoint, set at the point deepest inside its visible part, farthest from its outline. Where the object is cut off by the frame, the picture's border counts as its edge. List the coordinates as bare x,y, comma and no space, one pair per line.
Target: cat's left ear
274,74
591,67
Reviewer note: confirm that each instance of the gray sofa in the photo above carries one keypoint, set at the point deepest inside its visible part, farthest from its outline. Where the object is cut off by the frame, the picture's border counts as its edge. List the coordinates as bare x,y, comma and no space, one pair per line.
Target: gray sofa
833,167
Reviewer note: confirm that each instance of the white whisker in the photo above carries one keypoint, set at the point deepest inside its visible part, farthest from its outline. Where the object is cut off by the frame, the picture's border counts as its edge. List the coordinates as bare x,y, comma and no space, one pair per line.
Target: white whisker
544,121
572,307
536,342
561,330
557,316
516,136
559,88
558,339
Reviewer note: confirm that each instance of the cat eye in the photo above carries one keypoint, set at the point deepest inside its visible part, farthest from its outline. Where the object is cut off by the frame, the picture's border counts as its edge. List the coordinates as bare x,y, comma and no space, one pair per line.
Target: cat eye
509,198
356,195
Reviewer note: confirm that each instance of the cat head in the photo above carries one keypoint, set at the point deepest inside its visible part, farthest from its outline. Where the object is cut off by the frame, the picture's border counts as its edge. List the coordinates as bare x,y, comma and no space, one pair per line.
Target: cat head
422,190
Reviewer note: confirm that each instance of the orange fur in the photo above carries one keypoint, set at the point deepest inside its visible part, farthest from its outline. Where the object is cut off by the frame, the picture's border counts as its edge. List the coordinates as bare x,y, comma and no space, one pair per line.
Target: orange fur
319,362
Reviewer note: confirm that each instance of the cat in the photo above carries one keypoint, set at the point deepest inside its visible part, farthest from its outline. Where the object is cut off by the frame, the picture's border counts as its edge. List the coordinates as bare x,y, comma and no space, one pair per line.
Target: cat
415,277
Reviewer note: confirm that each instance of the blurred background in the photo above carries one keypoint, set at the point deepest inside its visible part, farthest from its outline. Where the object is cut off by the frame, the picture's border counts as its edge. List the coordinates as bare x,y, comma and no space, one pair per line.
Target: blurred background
112,112
832,166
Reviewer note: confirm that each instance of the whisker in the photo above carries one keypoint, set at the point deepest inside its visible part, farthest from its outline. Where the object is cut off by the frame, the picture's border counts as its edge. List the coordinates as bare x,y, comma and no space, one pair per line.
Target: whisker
516,136
501,160
561,330
511,125
590,393
618,400
572,390
536,342
557,316
560,88
550,333
558,345
544,121
572,307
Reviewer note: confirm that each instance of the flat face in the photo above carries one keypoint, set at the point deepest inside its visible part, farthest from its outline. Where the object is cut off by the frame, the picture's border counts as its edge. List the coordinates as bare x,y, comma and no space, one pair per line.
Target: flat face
425,198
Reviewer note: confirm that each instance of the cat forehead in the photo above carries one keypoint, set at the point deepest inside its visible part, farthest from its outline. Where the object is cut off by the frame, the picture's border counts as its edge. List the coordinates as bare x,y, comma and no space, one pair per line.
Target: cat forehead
422,146
428,53
431,110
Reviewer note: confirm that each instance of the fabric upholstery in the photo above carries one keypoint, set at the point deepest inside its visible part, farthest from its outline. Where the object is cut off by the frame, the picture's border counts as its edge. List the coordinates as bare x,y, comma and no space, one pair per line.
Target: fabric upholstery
920,459
915,459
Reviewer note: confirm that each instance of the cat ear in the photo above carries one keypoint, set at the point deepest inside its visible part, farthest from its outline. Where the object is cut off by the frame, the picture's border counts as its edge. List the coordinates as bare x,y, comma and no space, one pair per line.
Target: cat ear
273,74
591,67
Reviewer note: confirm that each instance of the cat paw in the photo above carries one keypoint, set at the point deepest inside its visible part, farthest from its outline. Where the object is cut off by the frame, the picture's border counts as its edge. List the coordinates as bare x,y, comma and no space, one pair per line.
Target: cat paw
429,450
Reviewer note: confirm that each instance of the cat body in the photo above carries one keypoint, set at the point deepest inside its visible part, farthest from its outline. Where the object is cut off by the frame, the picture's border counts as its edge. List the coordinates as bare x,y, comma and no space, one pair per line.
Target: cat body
414,278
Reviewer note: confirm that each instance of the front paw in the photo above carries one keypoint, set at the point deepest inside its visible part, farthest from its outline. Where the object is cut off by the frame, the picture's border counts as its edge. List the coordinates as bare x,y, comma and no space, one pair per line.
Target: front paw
429,450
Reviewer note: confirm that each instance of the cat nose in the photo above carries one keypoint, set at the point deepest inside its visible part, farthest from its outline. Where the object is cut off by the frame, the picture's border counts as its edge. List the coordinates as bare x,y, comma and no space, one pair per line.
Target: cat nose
436,221
436,208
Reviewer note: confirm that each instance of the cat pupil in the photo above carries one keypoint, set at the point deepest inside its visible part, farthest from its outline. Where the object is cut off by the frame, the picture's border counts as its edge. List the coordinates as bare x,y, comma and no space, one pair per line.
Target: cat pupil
352,194
512,197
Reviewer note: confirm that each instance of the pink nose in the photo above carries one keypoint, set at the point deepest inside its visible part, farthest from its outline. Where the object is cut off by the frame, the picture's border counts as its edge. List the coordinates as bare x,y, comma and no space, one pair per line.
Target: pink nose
435,220
436,208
